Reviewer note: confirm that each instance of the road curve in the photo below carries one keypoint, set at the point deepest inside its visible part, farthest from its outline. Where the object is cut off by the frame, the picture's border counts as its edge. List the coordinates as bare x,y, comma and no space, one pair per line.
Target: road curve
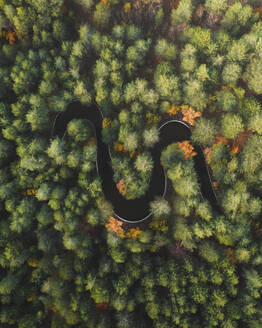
136,210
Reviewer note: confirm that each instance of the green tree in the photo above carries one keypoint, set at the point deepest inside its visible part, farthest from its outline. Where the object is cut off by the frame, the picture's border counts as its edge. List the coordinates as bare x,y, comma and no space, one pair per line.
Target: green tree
216,6
251,155
255,123
57,151
226,101
209,251
87,4
144,163
231,125
151,136
167,83
231,73
249,107
188,58
236,17
102,15
183,13
159,17
44,191
160,207
79,130
93,217
182,232
204,131
195,94
237,51
253,75
165,50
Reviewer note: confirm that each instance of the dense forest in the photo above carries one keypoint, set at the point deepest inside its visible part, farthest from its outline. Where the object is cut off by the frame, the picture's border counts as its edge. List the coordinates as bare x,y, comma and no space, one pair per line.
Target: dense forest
65,259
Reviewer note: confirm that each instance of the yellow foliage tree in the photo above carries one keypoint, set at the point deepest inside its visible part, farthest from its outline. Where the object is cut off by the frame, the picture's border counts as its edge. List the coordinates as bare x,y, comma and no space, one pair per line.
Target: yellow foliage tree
30,192
32,261
133,233
173,110
159,225
106,122
127,7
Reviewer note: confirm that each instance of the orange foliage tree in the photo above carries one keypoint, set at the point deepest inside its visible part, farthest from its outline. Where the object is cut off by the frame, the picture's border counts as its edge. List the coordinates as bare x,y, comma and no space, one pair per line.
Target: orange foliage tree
230,253
189,115
115,226
119,147
207,153
259,11
187,148
10,36
239,142
102,306
121,186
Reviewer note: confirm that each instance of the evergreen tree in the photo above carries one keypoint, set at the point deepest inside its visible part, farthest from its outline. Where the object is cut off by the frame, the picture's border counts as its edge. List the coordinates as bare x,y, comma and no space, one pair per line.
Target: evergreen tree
204,132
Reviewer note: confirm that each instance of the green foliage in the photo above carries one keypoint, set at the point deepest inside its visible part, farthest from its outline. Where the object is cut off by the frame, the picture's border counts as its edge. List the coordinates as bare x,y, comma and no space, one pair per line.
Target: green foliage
251,155
167,83
64,261
160,208
204,132
216,6
188,58
253,75
151,136
165,50
56,151
231,125
226,101
183,13
79,130
236,17
195,95
144,163
231,73
249,107
102,15
209,252
255,123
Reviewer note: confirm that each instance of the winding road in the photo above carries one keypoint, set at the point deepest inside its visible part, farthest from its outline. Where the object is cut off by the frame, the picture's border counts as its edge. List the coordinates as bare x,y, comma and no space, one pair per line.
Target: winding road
136,210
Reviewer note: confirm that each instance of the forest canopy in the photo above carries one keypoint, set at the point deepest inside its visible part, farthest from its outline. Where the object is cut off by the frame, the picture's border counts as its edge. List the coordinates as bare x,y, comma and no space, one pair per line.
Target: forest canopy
66,260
